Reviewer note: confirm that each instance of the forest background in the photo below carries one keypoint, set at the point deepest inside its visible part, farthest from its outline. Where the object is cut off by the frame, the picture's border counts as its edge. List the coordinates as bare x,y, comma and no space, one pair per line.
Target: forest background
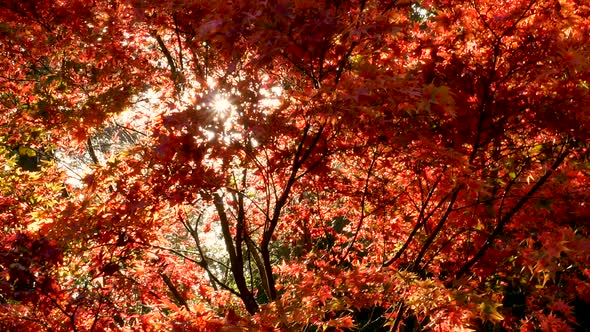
294,165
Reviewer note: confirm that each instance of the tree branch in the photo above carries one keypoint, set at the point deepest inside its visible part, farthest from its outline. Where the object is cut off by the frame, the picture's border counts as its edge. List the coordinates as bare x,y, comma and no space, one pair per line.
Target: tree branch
175,293
363,203
420,222
437,229
506,219
237,267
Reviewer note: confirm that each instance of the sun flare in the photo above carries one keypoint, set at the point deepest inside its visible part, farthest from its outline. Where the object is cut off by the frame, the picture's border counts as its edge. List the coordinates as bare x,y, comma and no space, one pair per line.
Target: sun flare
221,104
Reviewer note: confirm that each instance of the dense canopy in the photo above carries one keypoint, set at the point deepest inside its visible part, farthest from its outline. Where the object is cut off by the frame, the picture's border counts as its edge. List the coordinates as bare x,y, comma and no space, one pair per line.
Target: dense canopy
300,165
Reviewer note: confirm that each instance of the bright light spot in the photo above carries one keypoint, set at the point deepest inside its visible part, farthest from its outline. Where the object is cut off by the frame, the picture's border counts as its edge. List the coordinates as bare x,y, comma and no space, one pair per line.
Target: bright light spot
210,134
277,90
211,82
254,143
421,12
271,97
221,104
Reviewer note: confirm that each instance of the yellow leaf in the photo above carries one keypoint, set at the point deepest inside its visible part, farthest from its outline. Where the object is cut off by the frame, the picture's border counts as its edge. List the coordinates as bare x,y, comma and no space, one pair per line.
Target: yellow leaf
24,151
489,311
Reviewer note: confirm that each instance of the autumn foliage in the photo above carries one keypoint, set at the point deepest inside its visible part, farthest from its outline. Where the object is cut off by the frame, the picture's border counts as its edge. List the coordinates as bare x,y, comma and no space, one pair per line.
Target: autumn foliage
294,165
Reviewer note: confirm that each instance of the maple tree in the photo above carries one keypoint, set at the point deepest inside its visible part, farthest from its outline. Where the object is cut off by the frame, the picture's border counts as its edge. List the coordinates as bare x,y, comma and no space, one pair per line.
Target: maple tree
299,165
